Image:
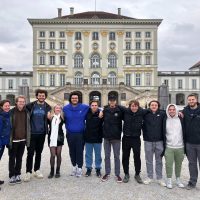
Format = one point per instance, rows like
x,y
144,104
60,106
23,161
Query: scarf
x,y
54,130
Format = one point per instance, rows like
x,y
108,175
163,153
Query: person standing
x,y
20,136
93,138
5,127
39,111
153,141
192,137
173,144
112,129
56,140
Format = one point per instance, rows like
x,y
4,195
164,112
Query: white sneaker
x,y
38,174
179,183
74,171
169,183
79,172
162,183
27,177
147,181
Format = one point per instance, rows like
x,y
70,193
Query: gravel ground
x,y
89,188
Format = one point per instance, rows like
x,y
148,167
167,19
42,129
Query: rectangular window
x,y
52,45
148,79
166,82
62,45
52,34
180,84
52,79
138,34
62,79
95,36
62,34
194,84
138,60
148,45
52,60
42,60
128,34
42,79
112,36
138,45
123,96
42,34
128,60
148,34
137,79
148,60
128,79
42,45
62,60
24,82
10,84
128,45
77,35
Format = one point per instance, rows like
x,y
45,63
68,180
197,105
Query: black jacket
x,y
192,125
94,130
112,126
153,126
133,122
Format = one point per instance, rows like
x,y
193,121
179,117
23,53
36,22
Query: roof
x,y
197,65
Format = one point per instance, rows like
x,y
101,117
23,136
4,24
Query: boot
x,y
57,172
51,173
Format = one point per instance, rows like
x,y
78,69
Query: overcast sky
x,y
178,36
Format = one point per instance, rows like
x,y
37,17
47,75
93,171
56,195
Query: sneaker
x,y
98,173
88,173
161,183
27,177
169,183
1,182
147,181
118,179
74,170
105,177
79,172
12,180
38,174
179,183
138,179
18,179
126,178
190,186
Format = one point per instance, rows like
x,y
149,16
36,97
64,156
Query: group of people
x,y
168,133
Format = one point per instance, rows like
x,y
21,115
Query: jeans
x,y
89,155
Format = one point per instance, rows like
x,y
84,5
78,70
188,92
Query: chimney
x,y
59,12
71,10
119,11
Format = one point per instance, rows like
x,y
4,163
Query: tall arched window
x,y
95,61
112,78
112,60
78,61
95,78
78,79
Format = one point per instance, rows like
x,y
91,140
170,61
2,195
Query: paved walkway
x,y
90,188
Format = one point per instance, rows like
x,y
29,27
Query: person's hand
x,y
180,114
101,114
49,115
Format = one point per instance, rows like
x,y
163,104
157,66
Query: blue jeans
x,y
89,155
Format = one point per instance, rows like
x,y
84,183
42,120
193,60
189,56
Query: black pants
x,y
15,158
36,147
129,143
76,146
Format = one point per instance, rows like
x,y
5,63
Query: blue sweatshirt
x,y
75,117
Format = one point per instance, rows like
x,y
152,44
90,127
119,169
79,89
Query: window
x,y
52,45
148,79
10,84
62,60
128,60
138,45
42,79
78,61
112,36
95,61
148,45
77,35
166,82
42,34
95,78
138,60
112,61
128,79
123,96
52,34
52,79
24,82
137,79
62,34
128,45
42,45
62,79
138,34
194,84
42,60
95,36
11,98
62,45
112,79
147,34
128,34
180,84
52,60
148,60
78,78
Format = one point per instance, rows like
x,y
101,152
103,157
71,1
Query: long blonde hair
x,y
61,112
